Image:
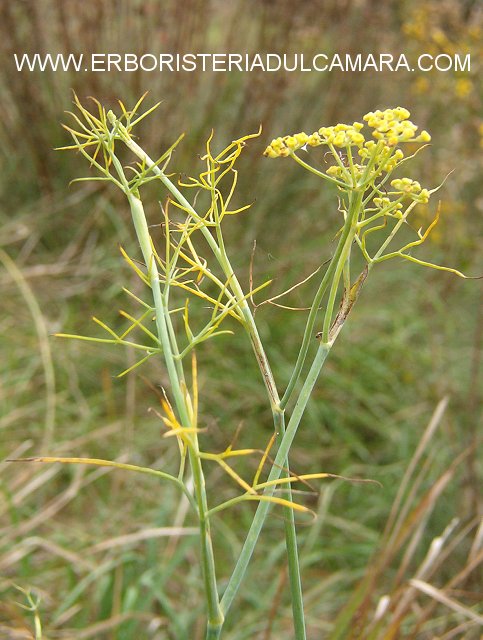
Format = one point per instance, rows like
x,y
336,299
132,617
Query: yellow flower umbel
x,y
283,147
361,170
378,158
410,189
393,126
340,136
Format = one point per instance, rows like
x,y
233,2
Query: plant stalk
x,y
337,259
275,473
215,617
283,437
294,572
268,379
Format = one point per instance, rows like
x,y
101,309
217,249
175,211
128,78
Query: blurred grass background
x,y
414,339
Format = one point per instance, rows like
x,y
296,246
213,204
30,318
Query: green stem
x,y
215,618
219,251
279,425
294,572
144,239
174,344
275,473
396,228
356,199
333,273
213,632
336,260
284,438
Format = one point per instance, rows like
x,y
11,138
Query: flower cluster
x,y
386,203
338,171
342,135
410,188
283,147
392,126
388,158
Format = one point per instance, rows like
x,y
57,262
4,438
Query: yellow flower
x,y
393,126
410,188
390,127
282,147
343,135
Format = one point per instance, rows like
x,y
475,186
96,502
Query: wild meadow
x,y
222,474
